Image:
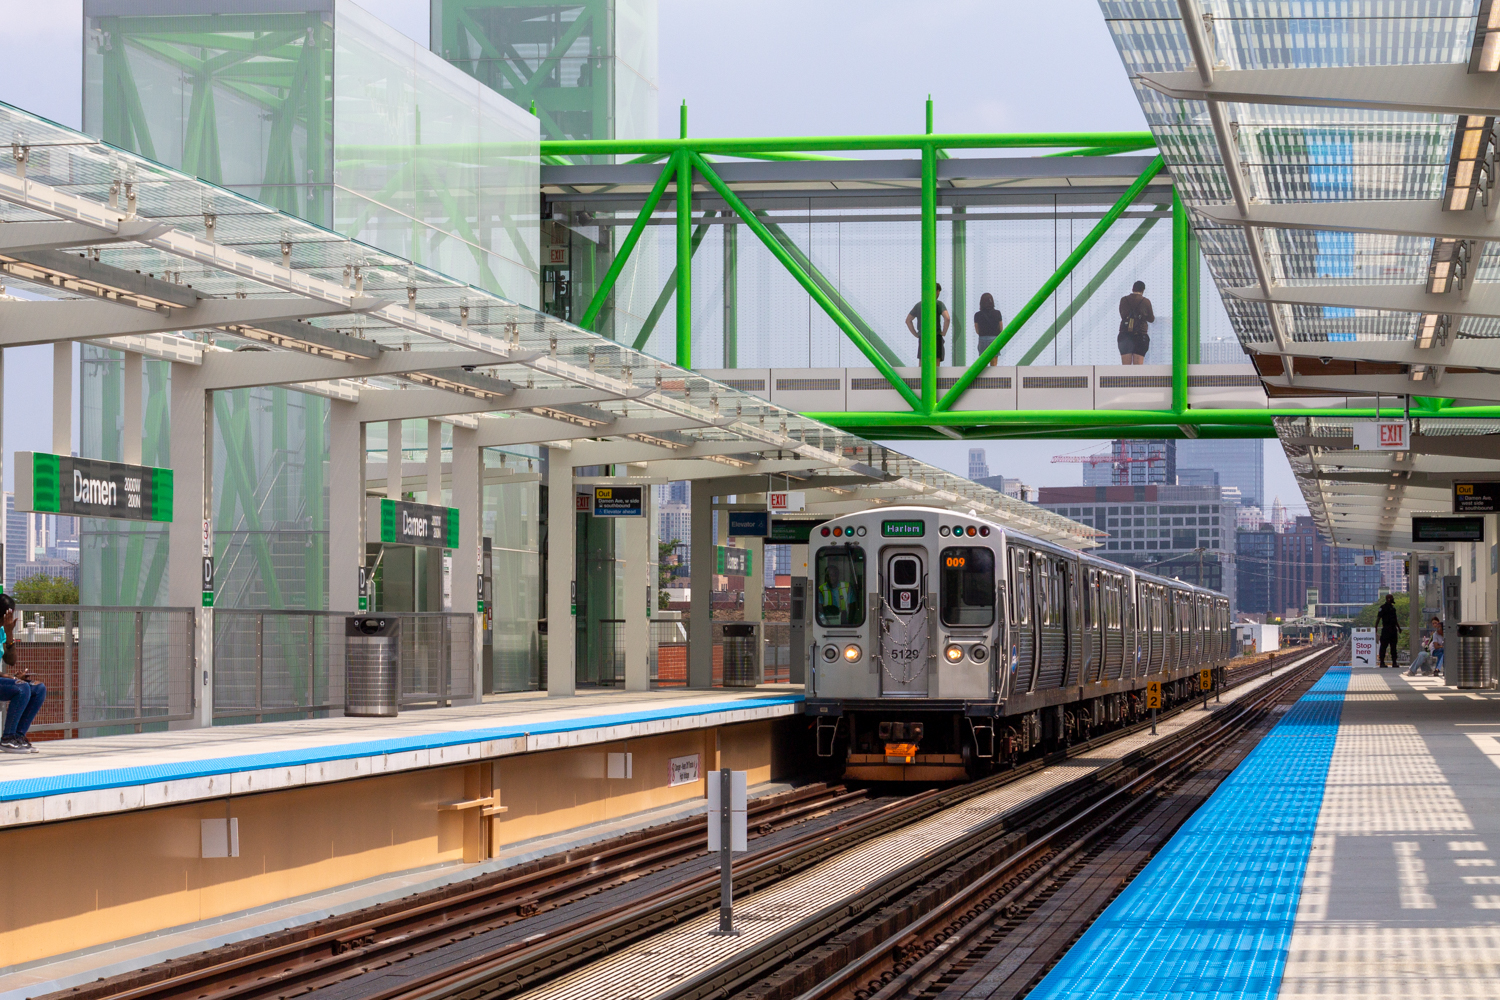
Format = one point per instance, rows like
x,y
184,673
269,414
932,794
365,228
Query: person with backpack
x,y
1136,317
988,323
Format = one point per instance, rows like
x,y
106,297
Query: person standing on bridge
x,y
988,322
1136,317
944,321
1390,630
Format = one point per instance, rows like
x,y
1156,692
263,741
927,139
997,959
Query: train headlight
x,y
851,653
979,652
830,653
954,652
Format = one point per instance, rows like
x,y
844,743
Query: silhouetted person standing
x,y
987,324
944,322
1136,317
1390,629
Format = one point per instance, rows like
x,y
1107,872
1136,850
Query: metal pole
x,y
140,668
726,856
601,295
260,662
1153,722
1181,309
731,295
1115,141
684,357
70,668
312,661
928,327
960,284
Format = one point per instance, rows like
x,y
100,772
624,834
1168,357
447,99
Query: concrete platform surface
x,y
1355,853
69,779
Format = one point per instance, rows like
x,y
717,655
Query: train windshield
x,y
841,586
968,586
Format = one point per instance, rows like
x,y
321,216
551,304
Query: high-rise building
x,y
978,467
1278,570
1238,463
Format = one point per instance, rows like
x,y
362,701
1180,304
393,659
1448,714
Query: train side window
x,y
967,589
840,572
1020,589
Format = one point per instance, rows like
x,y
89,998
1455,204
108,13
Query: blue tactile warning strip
x,y
121,777
1212,914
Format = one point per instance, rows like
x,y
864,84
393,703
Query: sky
x,y
768,67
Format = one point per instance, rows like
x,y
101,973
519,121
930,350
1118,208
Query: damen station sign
x,y
91,487
404,523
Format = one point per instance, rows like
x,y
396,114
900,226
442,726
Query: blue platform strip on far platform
x,y
1212,914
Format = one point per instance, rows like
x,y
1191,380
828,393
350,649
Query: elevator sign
x,y
90,487
403,523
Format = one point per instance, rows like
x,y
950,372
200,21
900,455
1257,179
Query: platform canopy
x,y
134,256
1340,170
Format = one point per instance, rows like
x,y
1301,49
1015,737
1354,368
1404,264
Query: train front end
x,y
904,679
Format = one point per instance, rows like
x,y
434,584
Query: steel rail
x,y
1039,861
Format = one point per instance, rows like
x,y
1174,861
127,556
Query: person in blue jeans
x,y
24,697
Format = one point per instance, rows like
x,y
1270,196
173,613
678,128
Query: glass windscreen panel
x,y
840,573
967,588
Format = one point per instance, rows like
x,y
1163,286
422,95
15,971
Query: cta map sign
x,y
91,487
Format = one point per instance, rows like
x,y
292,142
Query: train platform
x,y
132,837
1354,853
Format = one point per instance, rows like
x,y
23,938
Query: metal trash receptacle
x,y
741,654
372,665
1476,652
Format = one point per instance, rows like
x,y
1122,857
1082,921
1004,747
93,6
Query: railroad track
x,y
331,950
469,940
993,922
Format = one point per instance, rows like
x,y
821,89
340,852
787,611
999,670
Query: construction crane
x,y
1105,459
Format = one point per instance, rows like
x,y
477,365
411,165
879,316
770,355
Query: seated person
x,y
23,696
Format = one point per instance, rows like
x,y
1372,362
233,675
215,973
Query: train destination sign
x,y
1476,498
405,523
91,487
903,529
1447,529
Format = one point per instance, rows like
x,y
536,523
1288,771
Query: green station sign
x,y
903,529
91,487
405,523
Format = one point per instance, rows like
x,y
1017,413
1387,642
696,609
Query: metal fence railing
x,y
290,664
667,652
777,659
108,668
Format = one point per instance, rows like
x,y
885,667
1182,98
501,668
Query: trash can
x,y
741,654
1476,649
372,665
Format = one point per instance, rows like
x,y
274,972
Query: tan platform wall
x,y
111,878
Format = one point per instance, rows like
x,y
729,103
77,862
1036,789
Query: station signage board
x,y
1476,497
749,523
733,562
405,523
1364,647
795,530
1447,529
91,487
619,501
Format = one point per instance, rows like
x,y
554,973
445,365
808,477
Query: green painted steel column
x,y
1181,310
960,284
731,294
929,324
684,357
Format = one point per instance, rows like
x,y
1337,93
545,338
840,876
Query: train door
x,y
1090,632
905,634
1022,619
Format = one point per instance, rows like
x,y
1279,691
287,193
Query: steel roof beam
x,y
1460,385
413,404
1460,352
247,369
37,322
1434,89
24,237
1421,219
533,429
1483,299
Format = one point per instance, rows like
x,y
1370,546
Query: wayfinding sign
x,y
405,523
733,562
91,487
1447,529
1476,497
749,523
619,501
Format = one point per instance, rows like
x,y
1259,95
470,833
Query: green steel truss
x,y
687,159
280,64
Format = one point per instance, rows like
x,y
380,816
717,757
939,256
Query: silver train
x,y
944,645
